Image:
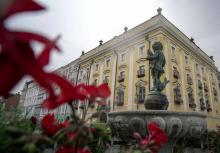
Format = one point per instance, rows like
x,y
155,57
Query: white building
x,y
33,95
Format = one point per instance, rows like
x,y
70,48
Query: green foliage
x,y
18,134
102,137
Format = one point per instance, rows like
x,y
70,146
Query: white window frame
x,y
97,68
173,51
122,60
186,59
107,65
141,48
197,66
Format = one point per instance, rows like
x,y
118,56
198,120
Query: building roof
x,y
157,21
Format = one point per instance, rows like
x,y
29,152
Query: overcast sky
x,y
82,23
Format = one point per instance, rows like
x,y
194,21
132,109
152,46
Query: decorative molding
x,y
187,68
121,86
189,89
106,71
122,66
176,83
96,74
141,83
174,60
142,59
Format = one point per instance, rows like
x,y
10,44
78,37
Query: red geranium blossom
x,y
50,124
71,149
16,55
17,59
79,92
63,149
157,134
154,140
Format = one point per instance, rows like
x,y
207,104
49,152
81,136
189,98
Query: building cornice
x,y
185,41
156,22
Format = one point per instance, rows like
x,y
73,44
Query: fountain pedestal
x,y
156,101
181,128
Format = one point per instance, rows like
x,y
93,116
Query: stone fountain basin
x,y
175,124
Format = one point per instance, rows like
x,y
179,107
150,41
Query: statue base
x,y
156,101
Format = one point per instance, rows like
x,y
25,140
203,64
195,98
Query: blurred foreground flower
x,y
17,59
154,141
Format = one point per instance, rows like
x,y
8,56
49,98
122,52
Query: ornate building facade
x,y
121,62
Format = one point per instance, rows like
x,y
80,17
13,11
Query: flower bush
x,y
74,135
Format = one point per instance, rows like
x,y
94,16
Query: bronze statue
x,y
157,63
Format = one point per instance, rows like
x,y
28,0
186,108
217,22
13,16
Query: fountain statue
x,y
155,99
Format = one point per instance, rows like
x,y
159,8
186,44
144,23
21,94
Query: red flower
x,y
16,55
17,59
154,140
93,92
63,149
84,150
80,92
50,124
72,135
65,124
103,90
71,149
157,134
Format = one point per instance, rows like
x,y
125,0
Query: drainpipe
x,y
116,65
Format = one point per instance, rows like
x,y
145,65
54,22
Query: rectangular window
x,y
141,51
141,95
186,59
123,57
197,67
122,73
107,62
120,97
81,73
173,51
97,67
202,70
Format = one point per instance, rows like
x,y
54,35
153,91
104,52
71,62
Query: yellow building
x,y
121,62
